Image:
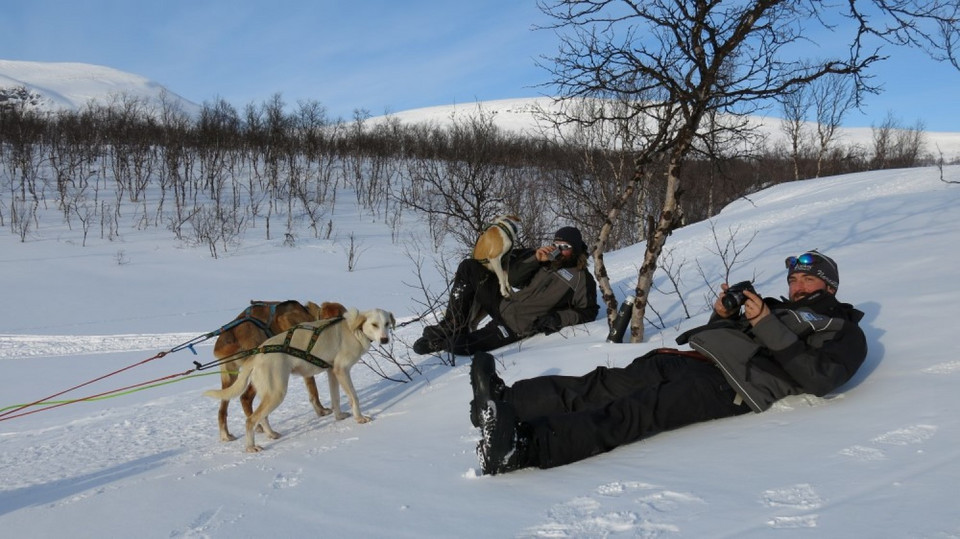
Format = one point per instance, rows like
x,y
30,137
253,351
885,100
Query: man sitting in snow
x,y
810,343
554,292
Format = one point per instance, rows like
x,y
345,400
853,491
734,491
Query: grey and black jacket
x,y
810,346
544,288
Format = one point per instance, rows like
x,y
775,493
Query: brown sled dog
x,y
258,322
494,244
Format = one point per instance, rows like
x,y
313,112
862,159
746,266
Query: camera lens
x,y
731,302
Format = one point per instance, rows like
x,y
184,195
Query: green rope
x,y
119,394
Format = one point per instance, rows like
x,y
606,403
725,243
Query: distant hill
x,y
72,86
523,116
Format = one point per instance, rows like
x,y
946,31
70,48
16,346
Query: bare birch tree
x,y
686,58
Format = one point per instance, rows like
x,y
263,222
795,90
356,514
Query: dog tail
x,y
236,389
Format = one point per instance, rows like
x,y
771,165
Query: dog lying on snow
x,y
263,319
495,242
335,348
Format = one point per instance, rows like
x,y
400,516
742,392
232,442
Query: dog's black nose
x,y
384,340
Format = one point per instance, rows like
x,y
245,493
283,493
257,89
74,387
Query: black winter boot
x,y
434,339
425,345
487,386
505,445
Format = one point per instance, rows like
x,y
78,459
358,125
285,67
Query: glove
x,y
548,323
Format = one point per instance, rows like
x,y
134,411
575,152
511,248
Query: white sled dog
x,y
495,242
337,347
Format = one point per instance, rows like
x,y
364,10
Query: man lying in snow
x,y
745,361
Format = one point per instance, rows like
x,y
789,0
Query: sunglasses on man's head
x,y
805,259
563,246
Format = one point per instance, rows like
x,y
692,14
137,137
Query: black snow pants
x,y
574,417
474,285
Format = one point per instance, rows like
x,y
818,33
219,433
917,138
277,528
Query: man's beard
x,y
804,296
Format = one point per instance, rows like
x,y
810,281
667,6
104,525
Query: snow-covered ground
x,y
881,458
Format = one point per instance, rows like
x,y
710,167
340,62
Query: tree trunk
x,y
599,266
669,219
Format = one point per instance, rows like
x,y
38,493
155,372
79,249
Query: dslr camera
x,y
734,297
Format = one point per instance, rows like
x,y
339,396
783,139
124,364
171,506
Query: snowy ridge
x,y
525,116
74,85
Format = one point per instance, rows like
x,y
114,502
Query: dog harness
x,y
509,228
247,316
305,355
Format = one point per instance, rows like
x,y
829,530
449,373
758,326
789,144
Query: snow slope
x,y
71,85
881,458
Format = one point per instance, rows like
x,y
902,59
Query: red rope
x,y
87,398
9,413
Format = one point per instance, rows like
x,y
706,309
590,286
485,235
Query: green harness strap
x,y
510,230
305,355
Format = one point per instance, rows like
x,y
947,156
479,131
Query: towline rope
x,y
15,411
114,393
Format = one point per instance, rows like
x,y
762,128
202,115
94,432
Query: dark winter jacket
x,y
810,346
570,292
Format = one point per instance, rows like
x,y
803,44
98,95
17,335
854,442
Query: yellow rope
x,y
104,397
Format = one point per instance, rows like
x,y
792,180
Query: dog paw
x,y
364,419
273,435
227,437
324,412
341,416
254,449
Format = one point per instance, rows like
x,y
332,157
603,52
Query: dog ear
x,y
393,321
316,311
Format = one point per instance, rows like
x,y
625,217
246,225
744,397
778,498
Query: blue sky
x,y
378,55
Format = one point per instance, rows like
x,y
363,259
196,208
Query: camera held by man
x,y
734,297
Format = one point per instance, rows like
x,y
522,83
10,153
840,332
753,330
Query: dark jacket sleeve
x,y
819,362
522,266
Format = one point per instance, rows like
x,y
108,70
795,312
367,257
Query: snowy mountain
x,y
53,86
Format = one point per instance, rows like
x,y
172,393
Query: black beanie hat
x,y
572,236
816,264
